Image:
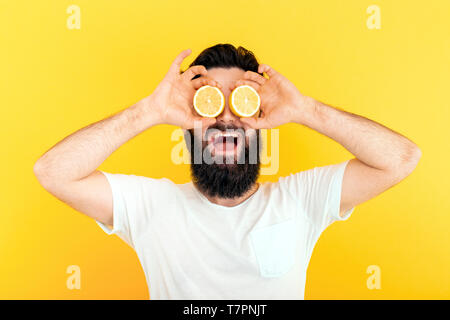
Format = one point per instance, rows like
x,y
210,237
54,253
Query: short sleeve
x,y
318,191
135,202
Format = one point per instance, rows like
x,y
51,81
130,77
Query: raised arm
x,y
383,157
69,169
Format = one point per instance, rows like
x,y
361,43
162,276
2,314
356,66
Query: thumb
x,y
267,69
176,64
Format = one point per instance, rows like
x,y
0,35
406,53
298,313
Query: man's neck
x,y
226,202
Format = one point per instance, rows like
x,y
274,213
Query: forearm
x,y
82,152
372,143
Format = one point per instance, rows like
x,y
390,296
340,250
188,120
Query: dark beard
x,y
225,180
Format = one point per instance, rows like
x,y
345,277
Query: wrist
x,y
304,111
145,114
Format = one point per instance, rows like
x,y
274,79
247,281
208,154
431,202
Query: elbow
x,y
413,157
41,172
38,170
409,161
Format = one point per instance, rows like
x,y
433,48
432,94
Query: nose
x,y
227,116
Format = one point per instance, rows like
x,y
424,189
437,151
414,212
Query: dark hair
x,y
225,55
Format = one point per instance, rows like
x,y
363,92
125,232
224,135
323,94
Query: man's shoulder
x,y
297,180
136,180
311,180
311,172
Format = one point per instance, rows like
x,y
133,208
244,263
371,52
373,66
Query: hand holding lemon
x,y
281,102
277,97
172,99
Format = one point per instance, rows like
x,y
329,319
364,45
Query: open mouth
x,y
225,143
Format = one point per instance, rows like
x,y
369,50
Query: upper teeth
x,y
216,135
229,134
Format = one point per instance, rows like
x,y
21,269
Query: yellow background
x,y
54,81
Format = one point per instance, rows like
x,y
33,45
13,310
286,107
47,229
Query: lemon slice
x,y
209,101
244,101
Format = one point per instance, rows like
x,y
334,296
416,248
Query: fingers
x,y
250,83
250,75
200,82
176,64
252,79
267,69
193,71
257,123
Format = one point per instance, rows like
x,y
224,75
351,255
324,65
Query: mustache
x,y
224,126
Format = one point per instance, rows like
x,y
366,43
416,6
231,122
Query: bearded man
x,y
225,235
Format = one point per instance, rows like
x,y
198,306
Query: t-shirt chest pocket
x,y
275,248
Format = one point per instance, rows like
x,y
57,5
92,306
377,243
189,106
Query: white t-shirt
x,y
191,248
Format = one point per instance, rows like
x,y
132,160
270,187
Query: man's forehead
x,y
225,75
